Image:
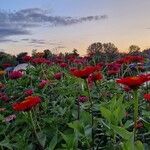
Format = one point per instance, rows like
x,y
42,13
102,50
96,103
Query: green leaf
x,y
122,132
77,126
106,113
70,140
139,145
128,145
42,138
6,144
53,143
1,117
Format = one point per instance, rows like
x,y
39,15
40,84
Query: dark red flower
x,y
139,125
82,99
63,65
43,83
15,75
28,92
58,75
27,104
95,76
27,58
5,65
4,97
40,60
147,97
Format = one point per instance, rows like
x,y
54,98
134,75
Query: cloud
x,y
8,40
34,41
20,22
5,32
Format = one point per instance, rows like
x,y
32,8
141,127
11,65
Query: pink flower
x,y
15,75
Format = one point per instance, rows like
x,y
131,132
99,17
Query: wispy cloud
x,y
20,22
34,41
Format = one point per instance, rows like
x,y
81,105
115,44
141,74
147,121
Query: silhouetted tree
x,y
146,53
48,54
134,50
19,57
111,52
103,52
7,58
95,48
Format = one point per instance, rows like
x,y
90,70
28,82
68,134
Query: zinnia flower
x,y
132,82
84,73
63,65
147,97
82,99
27,58
7,65
58,75
95,76
27,104
4,97
28,92
15,75
43,83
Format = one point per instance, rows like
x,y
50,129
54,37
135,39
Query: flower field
x,y
69,102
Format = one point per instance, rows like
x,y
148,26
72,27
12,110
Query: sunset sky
x,y
61,25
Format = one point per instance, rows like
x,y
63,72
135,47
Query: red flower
x,y
41,61
84,73
147,97
27,58
27,104
63,65
58,75
28,92
95,76
15,75
43,83
132,82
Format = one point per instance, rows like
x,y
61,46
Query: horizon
x,y
64,25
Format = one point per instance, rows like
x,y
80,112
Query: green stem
x,y
136,105
34,129
92,116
